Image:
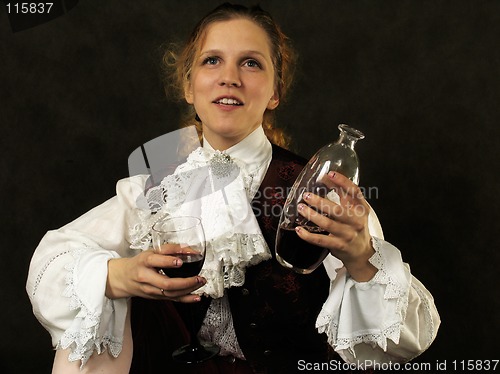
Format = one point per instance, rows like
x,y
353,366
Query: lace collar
x,y
253,154
220,193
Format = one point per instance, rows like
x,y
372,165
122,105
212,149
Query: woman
x,y
87,278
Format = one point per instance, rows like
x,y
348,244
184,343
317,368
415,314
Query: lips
x,y
228,100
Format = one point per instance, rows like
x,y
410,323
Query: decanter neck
x,y
349,136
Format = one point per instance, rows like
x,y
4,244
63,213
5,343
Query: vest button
x,y
268,352
253,325
245,292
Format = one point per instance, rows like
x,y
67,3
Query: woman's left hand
x,y
347,224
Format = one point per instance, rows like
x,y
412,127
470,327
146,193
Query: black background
x,y
421,78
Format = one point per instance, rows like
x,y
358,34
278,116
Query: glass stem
x,y
192,328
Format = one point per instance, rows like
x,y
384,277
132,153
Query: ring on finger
x,y
168,297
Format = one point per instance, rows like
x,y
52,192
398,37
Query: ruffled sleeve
x,y
67,277
392,317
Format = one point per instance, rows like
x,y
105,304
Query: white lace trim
x,y
140,223
327,321
429,322
394,290
218,328
41,273
83,336
227,259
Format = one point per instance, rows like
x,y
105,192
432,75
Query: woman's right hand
x,y
138,276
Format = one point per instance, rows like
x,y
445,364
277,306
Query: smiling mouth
x,y
228,101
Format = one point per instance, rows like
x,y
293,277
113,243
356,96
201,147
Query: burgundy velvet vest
x,y
274,313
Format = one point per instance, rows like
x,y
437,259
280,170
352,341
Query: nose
x,y
230,76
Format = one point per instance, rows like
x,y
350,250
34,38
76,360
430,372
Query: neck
x,y
221,143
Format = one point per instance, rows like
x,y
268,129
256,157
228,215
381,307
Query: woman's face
x,y
232,81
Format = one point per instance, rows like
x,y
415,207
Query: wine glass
x,y
339,156
188,233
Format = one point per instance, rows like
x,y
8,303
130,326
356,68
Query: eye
x,y
211,60
251,63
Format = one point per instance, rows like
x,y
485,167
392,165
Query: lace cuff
x,y
367,312
99,322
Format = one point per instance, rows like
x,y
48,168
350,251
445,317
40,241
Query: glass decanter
x,y
339,156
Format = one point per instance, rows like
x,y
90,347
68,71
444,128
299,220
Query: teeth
x,y
227,101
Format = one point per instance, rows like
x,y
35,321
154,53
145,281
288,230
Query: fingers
x,y
180,289
320,240
346,230
345,221
150,283
175,289
173,249
329,215
334,227
344,187
156,260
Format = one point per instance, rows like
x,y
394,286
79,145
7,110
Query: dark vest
x,y
274,313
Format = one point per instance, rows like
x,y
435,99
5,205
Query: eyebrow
x,y
218,52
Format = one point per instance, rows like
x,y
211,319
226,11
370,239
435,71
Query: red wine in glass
x,y
188,231
191,265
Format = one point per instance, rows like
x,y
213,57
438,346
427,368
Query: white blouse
x,y
392,317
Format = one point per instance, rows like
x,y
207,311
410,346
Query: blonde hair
x,y
178,63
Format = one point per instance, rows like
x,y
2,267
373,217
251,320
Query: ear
x,y
188,92
274,101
